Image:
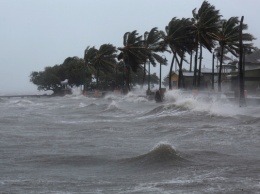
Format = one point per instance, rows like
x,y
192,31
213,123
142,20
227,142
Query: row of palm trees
x,y
206,29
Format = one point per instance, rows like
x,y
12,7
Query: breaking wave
x,y
213,104
22,102
132,97
113,106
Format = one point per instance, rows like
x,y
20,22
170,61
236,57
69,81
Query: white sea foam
x,y
77,91
112,105
82,105
164,144
113,96
134,97
22,103
210,103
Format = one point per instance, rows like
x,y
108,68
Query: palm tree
x,y
205,22
178,37
89,55
132,53
103,59
228,40
153,43
218,54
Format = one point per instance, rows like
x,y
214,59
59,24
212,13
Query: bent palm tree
x,y
228,39
205,22
132,53
178,37
154,43
89,54
101,59
137,51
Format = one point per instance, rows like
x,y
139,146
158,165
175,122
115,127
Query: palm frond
x,y
206,23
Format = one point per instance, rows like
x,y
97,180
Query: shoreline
x,y
250,100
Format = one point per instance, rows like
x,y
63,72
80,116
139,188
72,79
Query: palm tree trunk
x,y
242,100
220,69
97,79
170,73
191,61
195,68
128,78
183,81
199,76
181,77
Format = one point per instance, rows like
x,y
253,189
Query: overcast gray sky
x,y
39,33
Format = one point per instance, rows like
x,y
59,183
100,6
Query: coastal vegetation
x,y
110,67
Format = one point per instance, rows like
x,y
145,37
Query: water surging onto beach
x,y
128,144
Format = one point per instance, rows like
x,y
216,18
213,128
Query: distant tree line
x,y
74,70
127,65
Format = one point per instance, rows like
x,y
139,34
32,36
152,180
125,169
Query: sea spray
x,y
132,97
112,106
206,102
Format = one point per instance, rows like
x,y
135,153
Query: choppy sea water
x,y
127,144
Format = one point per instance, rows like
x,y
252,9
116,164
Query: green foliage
x,y
228,39
51,77
136,78
153,43
228,36
47,79
137,51
179,35
102,59
72,69
205,23
133,52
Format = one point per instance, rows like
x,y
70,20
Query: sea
x,y
129,144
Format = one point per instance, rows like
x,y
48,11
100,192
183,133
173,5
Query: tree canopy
x,y
117,67
51,77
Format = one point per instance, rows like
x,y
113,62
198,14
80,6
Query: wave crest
x,y
161,154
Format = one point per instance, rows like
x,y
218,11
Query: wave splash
x,y
211,103
113,106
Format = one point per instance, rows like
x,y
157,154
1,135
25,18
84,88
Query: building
x,y
251,74
205,82
188,79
